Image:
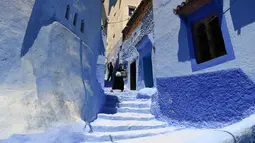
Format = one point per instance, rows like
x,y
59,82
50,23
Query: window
x,y
208,36
114,13
113,36
207,39
82,26
75,19
67,12
131,10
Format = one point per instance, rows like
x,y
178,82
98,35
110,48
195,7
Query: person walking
x,y
119,82
110,71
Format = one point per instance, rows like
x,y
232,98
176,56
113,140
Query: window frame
x,y
201,13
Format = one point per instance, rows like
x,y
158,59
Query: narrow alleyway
x,y
132,120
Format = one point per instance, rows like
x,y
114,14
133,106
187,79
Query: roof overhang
x,y
189,6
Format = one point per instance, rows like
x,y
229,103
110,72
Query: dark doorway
x,y
147,71
133,76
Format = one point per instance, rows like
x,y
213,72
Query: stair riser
x,y
135,105
124,128
121,110
125,118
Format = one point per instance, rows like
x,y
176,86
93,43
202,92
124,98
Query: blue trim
x,y
213,7
144,47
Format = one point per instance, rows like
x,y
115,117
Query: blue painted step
x,y
111,104
107,83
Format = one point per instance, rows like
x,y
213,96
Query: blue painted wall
x,y
49,62
45,12
192,88
220,97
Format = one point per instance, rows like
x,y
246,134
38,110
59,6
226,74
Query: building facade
x,y
205,69
51,50
137,48
120,12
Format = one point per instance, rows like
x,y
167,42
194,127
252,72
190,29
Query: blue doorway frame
x,y
145,65
147,71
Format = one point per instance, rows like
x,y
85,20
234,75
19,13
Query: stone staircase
x,y
125,117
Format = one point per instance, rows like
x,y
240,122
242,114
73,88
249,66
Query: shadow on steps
x,y
107,83
111,104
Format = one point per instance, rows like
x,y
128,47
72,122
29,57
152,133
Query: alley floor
x,y
132,120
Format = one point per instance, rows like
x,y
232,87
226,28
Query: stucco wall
x,y
173,63
171,39
46,12
48,67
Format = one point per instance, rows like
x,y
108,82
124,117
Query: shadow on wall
x,y
86,112
211,100
242,13
183,52
99,44
43,14
94,99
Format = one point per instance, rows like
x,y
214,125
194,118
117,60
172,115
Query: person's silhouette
x,y
110,71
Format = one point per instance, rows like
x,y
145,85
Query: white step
x,y
117,123
115,136
134,132
126,116
133,110
135,103
120,125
